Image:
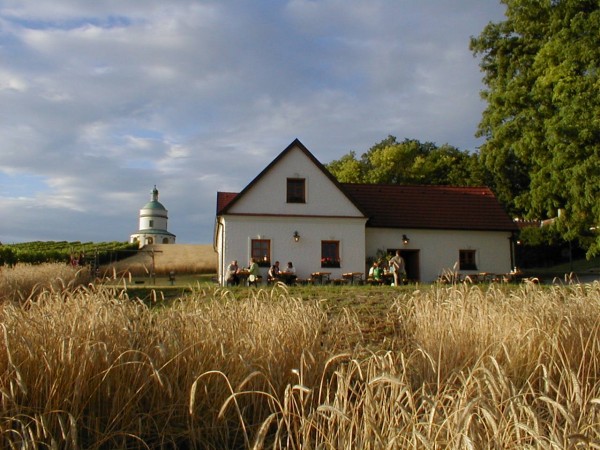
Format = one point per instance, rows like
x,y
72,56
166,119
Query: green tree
x,y
408,162
542,121
348,169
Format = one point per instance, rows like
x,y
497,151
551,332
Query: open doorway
x,y
411,260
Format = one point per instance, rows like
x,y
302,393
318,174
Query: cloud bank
x,y
100,101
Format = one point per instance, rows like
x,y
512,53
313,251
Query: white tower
x,y
153,224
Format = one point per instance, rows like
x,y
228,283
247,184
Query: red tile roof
x,y
223,199
425,207
430,207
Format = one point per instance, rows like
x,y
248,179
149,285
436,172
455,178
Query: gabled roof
x,y
223,200
430,207
227,199
397,206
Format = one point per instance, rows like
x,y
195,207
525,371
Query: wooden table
x,y
387,278
287,277
322,277
352,277
243,275
486,277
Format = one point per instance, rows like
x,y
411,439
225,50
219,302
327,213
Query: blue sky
x,y
102,100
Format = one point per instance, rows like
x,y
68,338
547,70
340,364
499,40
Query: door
x,y
411,261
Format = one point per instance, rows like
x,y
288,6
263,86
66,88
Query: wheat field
x,y
164,258
86,367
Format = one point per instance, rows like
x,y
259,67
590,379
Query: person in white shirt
x,y
289,273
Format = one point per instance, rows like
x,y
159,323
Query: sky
x,y
101,100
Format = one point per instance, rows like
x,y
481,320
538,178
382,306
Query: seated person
x,y
378,274
375,273
231,274
371,269
289,273
274,271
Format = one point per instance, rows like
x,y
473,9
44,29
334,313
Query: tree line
x,y
541,124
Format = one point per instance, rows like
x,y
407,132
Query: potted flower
x,y
330,262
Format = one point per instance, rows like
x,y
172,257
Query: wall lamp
x,y
296,236
405,239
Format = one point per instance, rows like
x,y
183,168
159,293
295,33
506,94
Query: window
x,y
330,253
467,260
151,223
296,192
261,251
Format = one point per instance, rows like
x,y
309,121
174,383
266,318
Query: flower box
x,y
329,262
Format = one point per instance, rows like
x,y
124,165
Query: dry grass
x,y
93,369
163,258
26,281
468,367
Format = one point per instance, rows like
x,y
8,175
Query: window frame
x,y
330,258
467,259
260,249
296,190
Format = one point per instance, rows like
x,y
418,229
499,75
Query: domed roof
x,y
154,203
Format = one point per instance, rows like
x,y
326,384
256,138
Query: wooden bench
x,y
256,282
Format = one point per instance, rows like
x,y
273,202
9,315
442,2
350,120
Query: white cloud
x,y
101,100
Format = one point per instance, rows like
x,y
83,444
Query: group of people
x,y
396,266
286,275
233,272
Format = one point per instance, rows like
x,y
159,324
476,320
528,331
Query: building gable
x,y
268,194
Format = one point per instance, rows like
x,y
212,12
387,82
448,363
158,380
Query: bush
x,y
7,256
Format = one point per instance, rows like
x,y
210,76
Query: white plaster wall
x,y
439,249
268,195
146,215
234,238
142,239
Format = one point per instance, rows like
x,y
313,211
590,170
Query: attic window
x,y
296,190
467,260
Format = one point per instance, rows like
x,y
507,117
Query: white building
x,y
153,224
295,210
